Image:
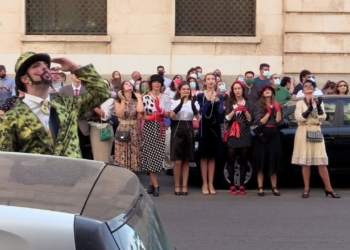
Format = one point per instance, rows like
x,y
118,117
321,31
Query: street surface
x,y
226,222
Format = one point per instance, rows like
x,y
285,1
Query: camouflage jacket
x,y
22,131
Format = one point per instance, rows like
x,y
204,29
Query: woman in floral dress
x,y
127,105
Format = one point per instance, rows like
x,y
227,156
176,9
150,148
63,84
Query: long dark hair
x,y
232,97
178,95
172,84
133,96
262,101
195,80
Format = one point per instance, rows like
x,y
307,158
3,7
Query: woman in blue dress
x,y
210,139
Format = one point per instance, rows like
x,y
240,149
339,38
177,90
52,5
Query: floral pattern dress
x,y
128,154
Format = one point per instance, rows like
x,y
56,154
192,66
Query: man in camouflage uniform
x,y
40,125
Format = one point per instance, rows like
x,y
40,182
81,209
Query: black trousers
x,y
85,147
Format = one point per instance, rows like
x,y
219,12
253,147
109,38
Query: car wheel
x,y
237,174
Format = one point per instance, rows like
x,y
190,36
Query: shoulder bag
x,y
314,136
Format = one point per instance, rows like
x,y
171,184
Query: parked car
x,y
336,132
50,202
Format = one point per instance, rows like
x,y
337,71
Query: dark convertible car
x,y
336,132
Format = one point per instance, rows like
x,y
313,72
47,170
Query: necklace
x,y
212,108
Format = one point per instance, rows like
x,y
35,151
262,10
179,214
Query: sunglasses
x,y
343,85
277,77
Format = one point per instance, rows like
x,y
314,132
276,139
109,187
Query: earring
x,y
30,83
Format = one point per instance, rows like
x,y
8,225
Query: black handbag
x,y
314,136
122,136
260,135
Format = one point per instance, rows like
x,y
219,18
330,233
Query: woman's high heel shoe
x,y
275,193
150,189
184,193
305,194
211,189
156,191
205,190
177,193
332,193
261,193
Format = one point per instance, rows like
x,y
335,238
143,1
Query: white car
x,y
59,203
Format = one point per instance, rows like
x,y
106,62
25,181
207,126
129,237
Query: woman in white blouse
x,y
183,109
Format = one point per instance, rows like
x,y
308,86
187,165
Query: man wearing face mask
x,y
282,94
199,77
251,91
263,78
40,124
161,72
7,85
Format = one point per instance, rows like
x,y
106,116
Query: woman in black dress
x,y
183,109
210,139
237,133
267,116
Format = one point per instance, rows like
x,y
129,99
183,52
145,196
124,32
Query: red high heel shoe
x,y
233,190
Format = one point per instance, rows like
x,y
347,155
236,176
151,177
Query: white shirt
x,y
186,112
57,86
167,82
132,82
74,88
34,103
170,93
317,92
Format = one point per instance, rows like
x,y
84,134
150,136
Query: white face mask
x,y
193,75
199,74
266,73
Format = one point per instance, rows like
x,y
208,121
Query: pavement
x,y
224,221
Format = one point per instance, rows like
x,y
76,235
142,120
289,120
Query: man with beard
x,y
7,85
43,125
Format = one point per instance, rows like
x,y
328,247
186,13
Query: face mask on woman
x,y
222,87
137,87
143,89
193,85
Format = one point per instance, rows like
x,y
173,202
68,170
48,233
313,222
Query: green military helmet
x,y
24,62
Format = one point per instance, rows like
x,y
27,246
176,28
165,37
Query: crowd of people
x,y
151,125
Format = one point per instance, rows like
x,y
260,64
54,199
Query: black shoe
x,y
177,193
275,193
261,193
156,192
184,193
332,193
150,189
305,194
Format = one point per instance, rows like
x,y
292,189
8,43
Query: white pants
x,y
167,162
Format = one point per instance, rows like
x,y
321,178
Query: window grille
x,y
64,17
215,17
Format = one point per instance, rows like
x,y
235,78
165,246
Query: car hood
x,y
65,184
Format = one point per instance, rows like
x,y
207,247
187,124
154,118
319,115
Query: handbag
x,y
105,133
260,135
314,136
195,124
122,136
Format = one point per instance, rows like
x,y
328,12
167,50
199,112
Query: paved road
x,y
251,222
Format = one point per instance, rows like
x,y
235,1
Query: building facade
x,y
128,35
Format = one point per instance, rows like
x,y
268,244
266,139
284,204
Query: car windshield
x,y
46,182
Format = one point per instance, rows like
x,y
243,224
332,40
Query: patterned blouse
x,y
150,107
259,111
